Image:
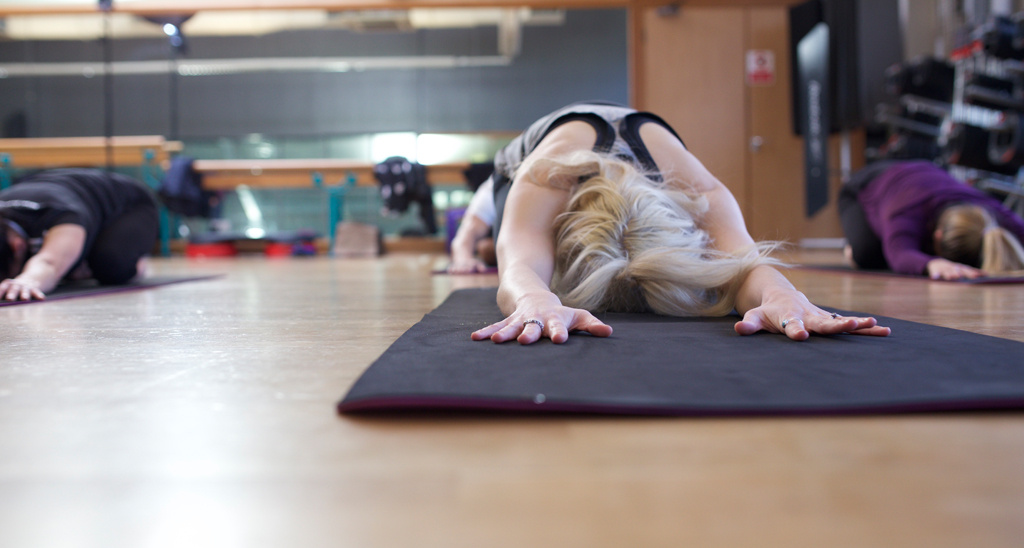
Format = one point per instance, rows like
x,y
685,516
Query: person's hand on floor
x,y
18,289
790,313
470,265
532,321
944,269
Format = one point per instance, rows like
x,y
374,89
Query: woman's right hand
x,y
462,265
540,318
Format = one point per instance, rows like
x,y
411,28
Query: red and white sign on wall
x,y
760,67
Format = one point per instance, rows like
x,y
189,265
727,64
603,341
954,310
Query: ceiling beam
x,y
165,7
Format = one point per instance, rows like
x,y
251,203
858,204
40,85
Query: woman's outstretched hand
x,y
791,313
528,324
944,269
20,290
469,265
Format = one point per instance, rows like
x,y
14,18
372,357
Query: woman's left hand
x,y
790,312
944,269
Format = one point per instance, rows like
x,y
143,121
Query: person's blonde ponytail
x,y
1001,252
969,235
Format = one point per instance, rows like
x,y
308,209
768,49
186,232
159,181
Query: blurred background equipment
x,y
963,112
403,183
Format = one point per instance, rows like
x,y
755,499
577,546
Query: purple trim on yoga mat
x,y
656,365
453,403
75,290
987,280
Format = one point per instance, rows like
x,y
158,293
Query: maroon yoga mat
x,y
91,289
888,273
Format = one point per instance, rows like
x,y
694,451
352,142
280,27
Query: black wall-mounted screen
x,y
864,39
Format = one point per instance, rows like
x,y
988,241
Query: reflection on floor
x,y
202,414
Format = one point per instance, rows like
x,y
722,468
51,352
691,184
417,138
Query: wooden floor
x,y
202,414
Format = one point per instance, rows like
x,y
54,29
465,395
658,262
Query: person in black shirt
x,y
73,223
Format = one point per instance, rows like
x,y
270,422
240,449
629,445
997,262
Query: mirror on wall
x,y
308,81
433,85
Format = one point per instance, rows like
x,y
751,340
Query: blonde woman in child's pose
x,y
602,208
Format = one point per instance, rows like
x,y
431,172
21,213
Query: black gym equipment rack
x,y
967,112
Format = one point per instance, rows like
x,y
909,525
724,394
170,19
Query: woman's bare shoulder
x,y
566,138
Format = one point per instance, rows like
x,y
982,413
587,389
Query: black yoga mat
x,y
655,365
444,271
985,280
90,288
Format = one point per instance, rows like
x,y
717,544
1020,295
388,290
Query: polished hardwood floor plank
x,y
202,414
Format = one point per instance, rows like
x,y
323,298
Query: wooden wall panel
x,y
692,75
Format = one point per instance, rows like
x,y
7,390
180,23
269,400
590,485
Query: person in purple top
x,y
913,217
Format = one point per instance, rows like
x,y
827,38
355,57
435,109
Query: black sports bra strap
x,y
605,131
629,129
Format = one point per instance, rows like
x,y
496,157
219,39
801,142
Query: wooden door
x,y
776,179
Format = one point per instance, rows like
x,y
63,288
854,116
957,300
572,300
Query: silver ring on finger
x,y
835,315
539,323
789,321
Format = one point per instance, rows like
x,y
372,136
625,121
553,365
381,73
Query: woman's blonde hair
x,y
969,235
628,243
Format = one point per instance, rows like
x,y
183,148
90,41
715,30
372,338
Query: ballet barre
x,y
334,175
58,152
145,152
